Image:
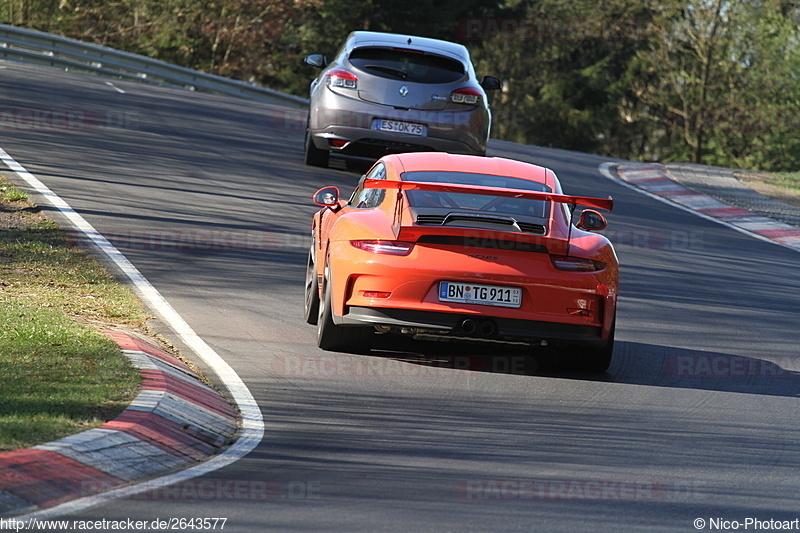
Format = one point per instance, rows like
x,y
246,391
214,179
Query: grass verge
x,y
788,180
58,373
782,186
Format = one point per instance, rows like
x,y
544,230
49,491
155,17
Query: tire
x,y
314,156
353,339
311,305
593,359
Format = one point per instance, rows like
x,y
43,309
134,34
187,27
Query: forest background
x,y
706,81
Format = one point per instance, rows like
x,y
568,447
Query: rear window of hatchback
x,y
407,65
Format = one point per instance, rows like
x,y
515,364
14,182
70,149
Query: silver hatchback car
x,y
387,93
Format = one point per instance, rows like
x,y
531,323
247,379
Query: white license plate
x,y
397,126
470,293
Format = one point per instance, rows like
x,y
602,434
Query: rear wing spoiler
x,y
599,203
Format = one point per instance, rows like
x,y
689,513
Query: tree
x,y
567,68
717,78
710,81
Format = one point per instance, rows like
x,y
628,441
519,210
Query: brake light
x,y
467,95
341,78
576,264
384,247
409,51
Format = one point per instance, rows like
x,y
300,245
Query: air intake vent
x,y
439,220
483,219
436,220
536,229
479,242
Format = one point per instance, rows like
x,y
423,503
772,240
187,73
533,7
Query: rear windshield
x,y
407,65
477,202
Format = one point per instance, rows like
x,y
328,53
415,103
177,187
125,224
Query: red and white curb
x,y
251,428
175,421
655,180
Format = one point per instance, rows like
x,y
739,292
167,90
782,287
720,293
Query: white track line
x,y
605,170
252,430
120,91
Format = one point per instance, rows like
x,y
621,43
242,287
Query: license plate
x,y
470,293
397,126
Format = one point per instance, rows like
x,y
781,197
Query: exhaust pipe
x,y
487,328
469,326
475,328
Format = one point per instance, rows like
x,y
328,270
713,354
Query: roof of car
x,y
497,166
371,38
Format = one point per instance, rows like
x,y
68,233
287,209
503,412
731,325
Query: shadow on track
x,y
634,364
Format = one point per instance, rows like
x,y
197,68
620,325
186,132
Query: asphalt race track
x,y
209,198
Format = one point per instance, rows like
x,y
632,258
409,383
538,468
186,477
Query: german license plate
x,y
470,293
397,126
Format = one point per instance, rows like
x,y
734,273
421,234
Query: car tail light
x,y
576,264
467,95
384,247
341,78
409,51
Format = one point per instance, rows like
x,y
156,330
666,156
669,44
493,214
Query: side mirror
x,y
327,197
591,220
316,60
490,83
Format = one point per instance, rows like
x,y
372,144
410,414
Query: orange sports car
x,y
463,247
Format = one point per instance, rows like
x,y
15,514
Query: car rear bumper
x,y
485,327
361,142
404,292
336,117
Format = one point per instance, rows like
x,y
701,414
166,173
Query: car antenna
x,y
409,40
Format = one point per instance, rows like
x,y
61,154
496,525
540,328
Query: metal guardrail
x,y
29,46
